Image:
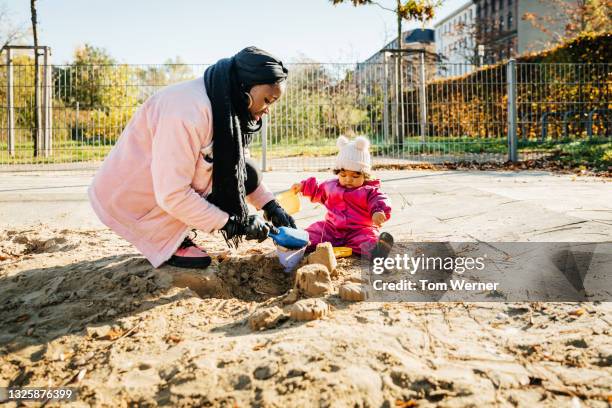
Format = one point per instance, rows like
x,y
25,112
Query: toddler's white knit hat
x,y
355,155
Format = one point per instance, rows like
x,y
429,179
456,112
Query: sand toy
x,y
289,201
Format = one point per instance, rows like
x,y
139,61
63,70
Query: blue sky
x,y
202,31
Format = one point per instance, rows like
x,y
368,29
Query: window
x,y
510,20
501,23
492,6
509,3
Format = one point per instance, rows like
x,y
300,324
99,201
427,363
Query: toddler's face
x,y
351,179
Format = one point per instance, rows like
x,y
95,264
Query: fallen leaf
x,y
22,318
577,312
113,334
405,404
173,338
258,346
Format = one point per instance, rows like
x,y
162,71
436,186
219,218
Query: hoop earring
x,y
250,100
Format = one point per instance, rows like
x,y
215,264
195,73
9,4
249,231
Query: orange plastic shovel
x,y
289,201
342,252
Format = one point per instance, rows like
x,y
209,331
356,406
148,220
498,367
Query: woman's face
x,y
263,96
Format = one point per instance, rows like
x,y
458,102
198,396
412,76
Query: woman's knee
x,y
253,176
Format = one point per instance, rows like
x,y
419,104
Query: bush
x,y
476,104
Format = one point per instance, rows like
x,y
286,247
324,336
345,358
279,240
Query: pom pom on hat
x,y
362,143
342,141
355,155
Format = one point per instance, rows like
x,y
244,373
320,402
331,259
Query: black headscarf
x,y
227,83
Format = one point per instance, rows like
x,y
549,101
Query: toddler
x,y
356,207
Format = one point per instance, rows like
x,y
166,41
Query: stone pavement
x,y
427,205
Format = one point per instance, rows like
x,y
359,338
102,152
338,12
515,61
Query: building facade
x,y
496,29
414,43
455,40
497,25
412,40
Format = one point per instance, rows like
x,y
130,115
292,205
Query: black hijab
x,y
227,83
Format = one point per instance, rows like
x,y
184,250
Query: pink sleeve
x,y
176,146
311,189
260,197
379,202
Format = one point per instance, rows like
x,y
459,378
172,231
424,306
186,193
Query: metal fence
x,y
422,111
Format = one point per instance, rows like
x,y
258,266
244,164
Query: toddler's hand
x,y
296,188
378,218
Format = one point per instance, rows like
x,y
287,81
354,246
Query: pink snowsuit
x,y
348,221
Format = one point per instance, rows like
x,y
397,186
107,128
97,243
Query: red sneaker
x,y
189,255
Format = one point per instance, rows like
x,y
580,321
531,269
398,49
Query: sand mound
x,y
313,280
97,317
17,244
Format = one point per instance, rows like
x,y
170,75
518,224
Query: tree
x,y
154,77
571,18
100,94
10,32
419,10
486,32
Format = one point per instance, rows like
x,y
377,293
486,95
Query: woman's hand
x,y
254,228
378,218
296,188
277,214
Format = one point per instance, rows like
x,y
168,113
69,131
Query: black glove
x,y
279,217
254,228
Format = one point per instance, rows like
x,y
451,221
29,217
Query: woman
x,y
180,163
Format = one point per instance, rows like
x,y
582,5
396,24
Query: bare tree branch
x,y
383,7
10,33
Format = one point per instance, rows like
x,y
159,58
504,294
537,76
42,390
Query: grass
x,y
65,151
584,155
596,153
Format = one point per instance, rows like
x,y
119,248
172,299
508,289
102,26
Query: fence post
x,y
396,102
37,106
76,123
10,105
423,92
386,99
264,142
47,103
512,115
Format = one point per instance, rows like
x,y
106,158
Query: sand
x,y
82,308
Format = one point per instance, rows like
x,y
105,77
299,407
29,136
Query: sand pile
x,y
82,308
